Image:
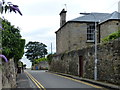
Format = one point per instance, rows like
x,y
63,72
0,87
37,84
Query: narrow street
x,y
46,80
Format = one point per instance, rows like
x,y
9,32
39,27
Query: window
x,y
90,32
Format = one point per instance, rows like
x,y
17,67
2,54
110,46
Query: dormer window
x,y
90,32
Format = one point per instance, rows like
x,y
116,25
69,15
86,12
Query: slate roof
x,y
98,17
95,17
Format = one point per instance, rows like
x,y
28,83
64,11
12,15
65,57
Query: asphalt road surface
x,y
42,79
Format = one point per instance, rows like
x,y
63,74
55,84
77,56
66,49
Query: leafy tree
x,y
12,44
36,61
35,50
10,34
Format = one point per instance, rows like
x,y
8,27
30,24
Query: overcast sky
x,y
41,18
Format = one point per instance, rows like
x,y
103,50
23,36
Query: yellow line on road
x,y
33,81
77,80
38,84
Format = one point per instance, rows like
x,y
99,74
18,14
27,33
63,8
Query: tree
x,y
12,44
35,50
10,36
36,61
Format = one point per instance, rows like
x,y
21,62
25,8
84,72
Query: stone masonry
x,y
8,74
108,62
71,37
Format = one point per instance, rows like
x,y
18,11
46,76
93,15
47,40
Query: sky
x,y
41,18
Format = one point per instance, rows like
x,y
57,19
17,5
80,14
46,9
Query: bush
x,y
112,36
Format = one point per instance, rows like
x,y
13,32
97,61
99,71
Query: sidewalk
x,y
102,84
23,81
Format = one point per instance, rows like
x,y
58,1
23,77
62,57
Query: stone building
x,y
76,50
78,33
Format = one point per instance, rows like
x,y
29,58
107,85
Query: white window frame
x,y
90,32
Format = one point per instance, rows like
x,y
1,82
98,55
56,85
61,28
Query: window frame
x,y
90,32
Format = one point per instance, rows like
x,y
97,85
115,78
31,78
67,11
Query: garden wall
x,y
8,75
108,62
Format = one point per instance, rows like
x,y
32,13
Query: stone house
x,y
76,51
78,33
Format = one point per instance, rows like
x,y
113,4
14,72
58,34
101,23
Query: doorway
x,y
80,66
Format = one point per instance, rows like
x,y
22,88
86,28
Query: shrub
x,y
112,36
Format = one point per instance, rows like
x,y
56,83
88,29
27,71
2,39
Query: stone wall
x,y
108,62
8,74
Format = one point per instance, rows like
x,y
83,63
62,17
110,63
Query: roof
x,y
97,17
113,16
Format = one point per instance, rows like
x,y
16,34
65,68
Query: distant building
x,y
79,32
43,65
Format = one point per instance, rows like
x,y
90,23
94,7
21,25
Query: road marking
x,y
34,81
38,84
77,80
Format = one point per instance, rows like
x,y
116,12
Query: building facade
x,y
79,33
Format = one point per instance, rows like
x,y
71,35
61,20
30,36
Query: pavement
x,y
24,82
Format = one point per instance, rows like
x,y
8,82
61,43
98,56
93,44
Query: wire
x,y
116,2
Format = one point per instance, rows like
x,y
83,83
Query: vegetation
x,y
12,44
8,6
36,61
49,58
35,50
111,36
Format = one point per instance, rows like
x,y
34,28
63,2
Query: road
x,y
42,79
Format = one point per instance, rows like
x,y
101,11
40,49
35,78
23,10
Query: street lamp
x,y
96,60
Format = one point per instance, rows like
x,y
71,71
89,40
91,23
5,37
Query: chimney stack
x,y
62,17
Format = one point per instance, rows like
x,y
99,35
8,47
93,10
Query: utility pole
x,y
51,48
95,67
95,60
